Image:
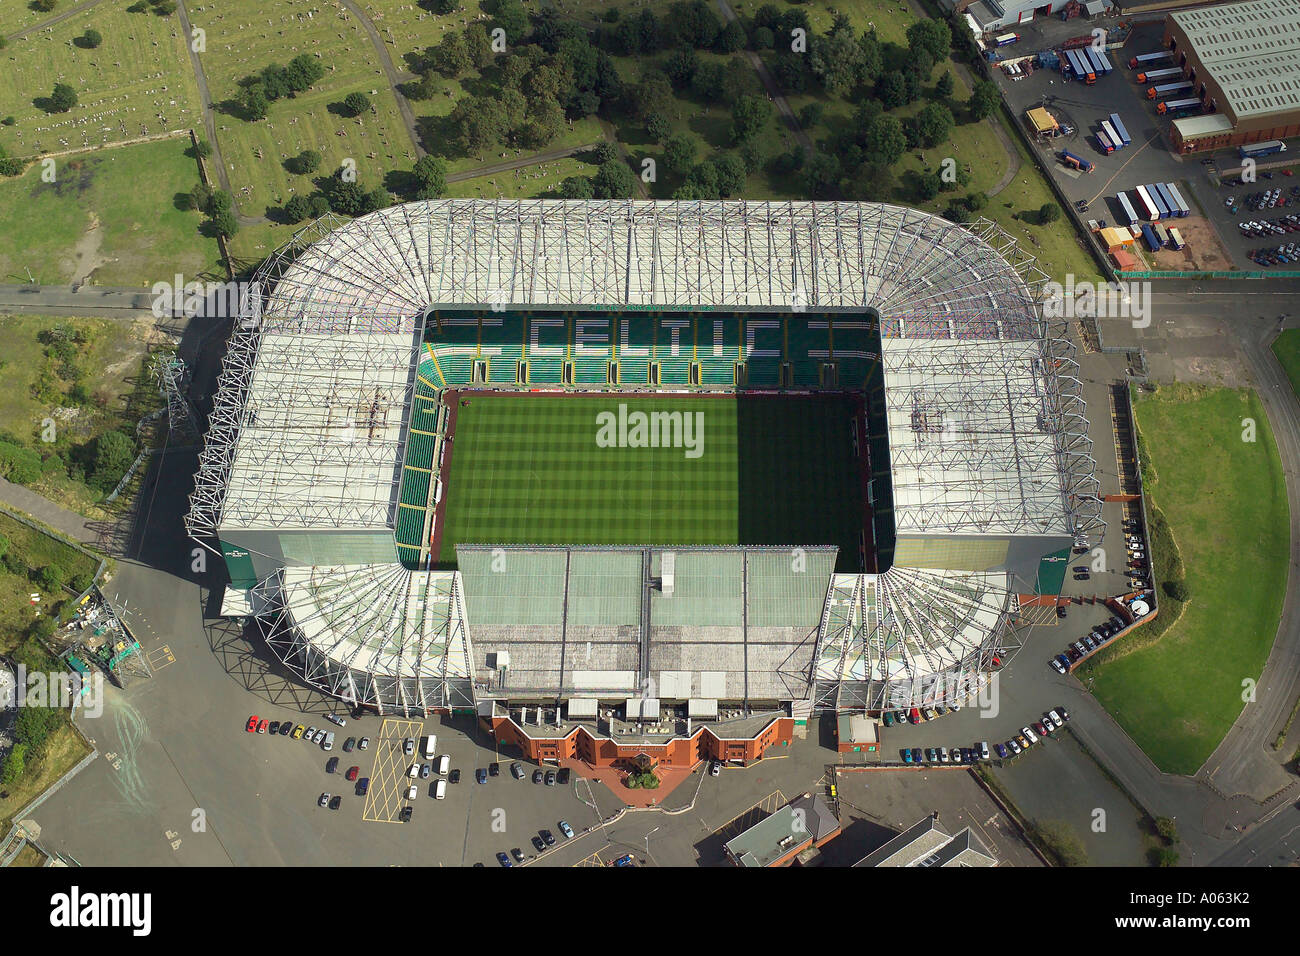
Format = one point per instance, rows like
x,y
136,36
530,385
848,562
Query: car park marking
x,y
160,657
388,777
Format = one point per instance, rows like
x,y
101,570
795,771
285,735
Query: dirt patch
x,y
85,254
1203,252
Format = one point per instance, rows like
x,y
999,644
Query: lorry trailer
x,y
1155,92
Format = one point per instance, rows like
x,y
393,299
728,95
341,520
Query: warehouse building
x,y
1245,61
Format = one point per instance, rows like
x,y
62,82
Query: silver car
x,y
328,743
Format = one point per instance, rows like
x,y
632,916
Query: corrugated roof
x,y
1252,51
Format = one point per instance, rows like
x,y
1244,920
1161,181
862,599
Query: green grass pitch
x,y
529,469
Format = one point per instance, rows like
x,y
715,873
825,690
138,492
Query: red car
x,y
261,728
251,727
352,772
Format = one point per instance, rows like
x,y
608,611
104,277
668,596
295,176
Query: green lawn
x,y
111,214
1287,349
533,470
1225,503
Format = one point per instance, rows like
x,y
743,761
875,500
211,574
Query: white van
x,y
412,793
414,771
430,746
440,790
444,764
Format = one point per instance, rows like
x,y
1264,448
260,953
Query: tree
x,y
255,104
681,66
543,125
614,180
706,81
679,154
731,175
305,163
440,7
451,57
476,122
732,38
602,153
478,45
891,90
984,99
928,185
63,98
112,454
44,6
1048,212
344,197
356,103
657,125
763,38
200,196
377,198
931,37
431,173
653,94
51,577
297,209
164,8
822,176
811,114
933,124
944,86
15,765
11,166
1167,828
702,181
840,62
510,16
202,149
883,139
748,116
303,70
577,187
90,39
695,23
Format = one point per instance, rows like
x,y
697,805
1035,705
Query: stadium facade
x,y
320,479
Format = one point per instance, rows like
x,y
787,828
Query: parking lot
x,y
1211,230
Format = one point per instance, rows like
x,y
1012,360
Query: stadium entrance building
x,y
645,479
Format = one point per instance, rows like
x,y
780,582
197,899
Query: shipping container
x,y
1078,162
1262,149
1183,208
1169,89
1167,198
1111,134
1148,58
1183,107
1118,125
1154,195
1006,39
1145,205
1127,208
1151,76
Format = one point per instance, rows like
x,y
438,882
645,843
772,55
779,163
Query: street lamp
x,y
647,841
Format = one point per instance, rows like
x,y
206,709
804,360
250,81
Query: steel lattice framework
x,y
307,431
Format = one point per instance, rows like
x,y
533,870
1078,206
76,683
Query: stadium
x,y
662,471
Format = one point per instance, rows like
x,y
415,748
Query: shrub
x,y
1048,212
111,455
305,163
15,765
90,40
1178,590
51,577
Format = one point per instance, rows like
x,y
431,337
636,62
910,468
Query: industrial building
x,y
928,844
1244,59
319,480
791,833
990,16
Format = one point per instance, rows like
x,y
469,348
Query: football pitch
x,y
653,470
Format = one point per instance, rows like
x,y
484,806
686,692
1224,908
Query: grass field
x,y
63,750
753,471
137,83
1225,502
1287,349
109,214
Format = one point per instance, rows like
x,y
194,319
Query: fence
x,y
1242,274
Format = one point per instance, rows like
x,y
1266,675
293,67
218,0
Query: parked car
x,y
286,728
537,776
425,770
907,754
1065,661
504,860
323,800
262,725
547,837
480,775
251,726
328,742
931,755
352,772
1029,735
1048,724
363,785
412,792
563,778
888,718
349,744
494,769
363,743
454,776
518,854
517,770
913,716
1056,665
408,746
983,749
1040,729
1001,751
297,733
1013,746
274,728
336,801
943,755
336,719
311,735
1065,714
407,813
916,755
332,764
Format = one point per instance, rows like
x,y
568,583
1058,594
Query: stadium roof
x,y
1252,50
308,431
